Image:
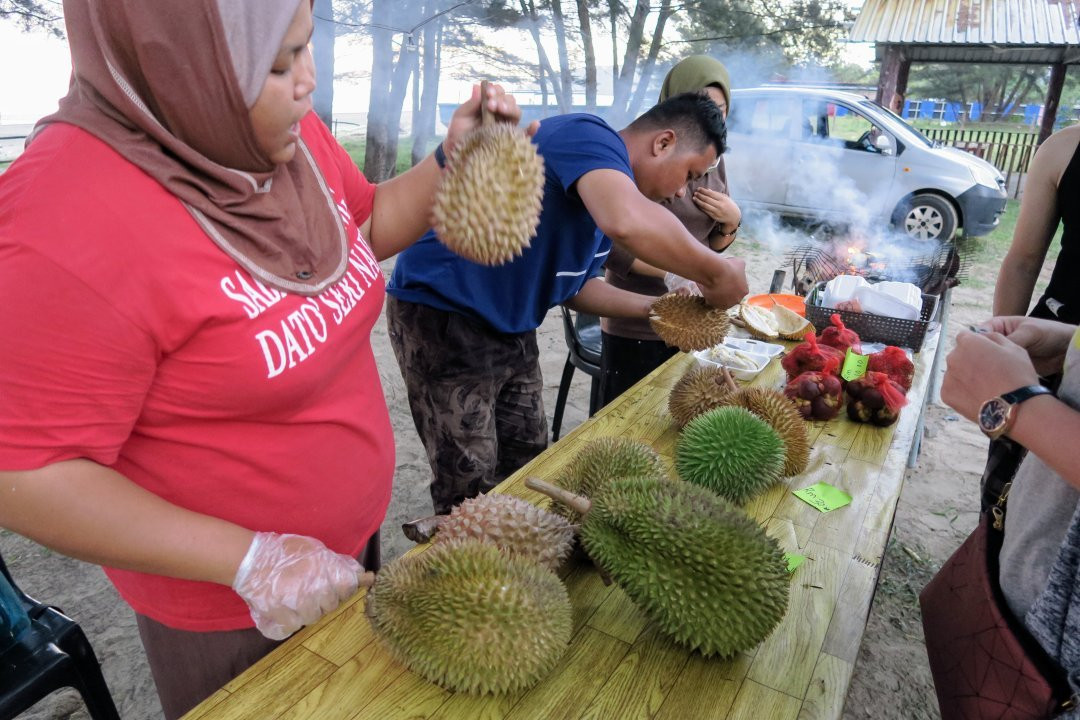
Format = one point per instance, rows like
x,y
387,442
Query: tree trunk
x,y
528,9
590,55
388,85
613,16
425,115
322,43
624,82
376,166
650,62
566,80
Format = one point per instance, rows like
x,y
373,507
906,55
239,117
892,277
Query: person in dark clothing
x,y
630,349
1050,194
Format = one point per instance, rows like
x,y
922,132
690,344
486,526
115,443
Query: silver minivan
x,y
836,156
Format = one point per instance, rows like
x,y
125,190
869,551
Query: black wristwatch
x,y
998,414
440,156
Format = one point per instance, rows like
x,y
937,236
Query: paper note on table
x,y
854,365
794,561
823,496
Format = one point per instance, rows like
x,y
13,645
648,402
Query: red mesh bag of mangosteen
x,y
818,394
809,356
839,336
875,398
894,362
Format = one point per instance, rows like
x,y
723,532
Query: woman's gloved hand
x,y
289,581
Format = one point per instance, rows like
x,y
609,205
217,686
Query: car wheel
x,y
927,218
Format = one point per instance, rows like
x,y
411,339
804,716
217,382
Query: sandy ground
x,y
937,509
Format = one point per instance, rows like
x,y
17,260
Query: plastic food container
x,y
841,288
755,347
705,358
903,291
874,301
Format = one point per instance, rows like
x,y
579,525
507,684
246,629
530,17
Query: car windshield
x,y
899,124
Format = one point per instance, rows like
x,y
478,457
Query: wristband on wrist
x,y
440,156
732,233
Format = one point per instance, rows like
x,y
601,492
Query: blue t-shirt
x,y
568,248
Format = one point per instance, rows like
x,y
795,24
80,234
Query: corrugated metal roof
x,y
1052,24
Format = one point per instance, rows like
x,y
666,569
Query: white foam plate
x,y
757,347
761,361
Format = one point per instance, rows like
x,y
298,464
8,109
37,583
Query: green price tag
x,y
854,365
794,561
823,496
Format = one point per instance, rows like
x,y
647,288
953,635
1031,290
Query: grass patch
x,y
356,147
987,252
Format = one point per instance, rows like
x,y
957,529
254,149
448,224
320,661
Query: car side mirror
x,y
884,143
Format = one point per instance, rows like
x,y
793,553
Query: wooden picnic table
x,y
618,665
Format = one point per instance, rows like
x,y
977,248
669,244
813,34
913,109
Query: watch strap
x,y
440,156
1025,393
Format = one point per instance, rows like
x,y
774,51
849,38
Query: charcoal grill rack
x,y
810,263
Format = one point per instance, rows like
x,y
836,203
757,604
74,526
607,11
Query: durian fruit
x,y
790,325
774,408
699,390
688,322
602,460
513,524
730,451
470,617
760,322
700,567
487,206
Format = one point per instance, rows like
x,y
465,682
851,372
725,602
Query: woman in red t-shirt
x,y
189,274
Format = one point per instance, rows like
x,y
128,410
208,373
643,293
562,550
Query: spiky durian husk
x,y
488,203
731,451
601,461
513,524
688,322
470,617
774,408
699,390
697,565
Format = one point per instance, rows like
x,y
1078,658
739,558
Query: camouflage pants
x,y
475,395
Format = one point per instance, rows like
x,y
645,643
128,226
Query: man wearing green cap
x,y
631,350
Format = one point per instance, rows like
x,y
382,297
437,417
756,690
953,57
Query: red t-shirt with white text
x,y
130,339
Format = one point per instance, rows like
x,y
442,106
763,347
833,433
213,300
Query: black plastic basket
x,y
876,328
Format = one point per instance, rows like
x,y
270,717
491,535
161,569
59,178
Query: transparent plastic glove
x,y
681,285
289,581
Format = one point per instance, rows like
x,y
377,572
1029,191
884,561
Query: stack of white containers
x,y
893,299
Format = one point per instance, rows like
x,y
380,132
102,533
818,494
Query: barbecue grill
x,y
933,269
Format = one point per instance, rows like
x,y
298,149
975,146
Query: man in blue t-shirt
x,y
464,333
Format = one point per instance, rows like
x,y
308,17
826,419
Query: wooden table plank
x,y
585,668
355,684
705,690
638,686
618,664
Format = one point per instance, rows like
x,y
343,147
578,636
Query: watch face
x,y
993,414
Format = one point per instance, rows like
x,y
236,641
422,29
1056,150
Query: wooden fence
x,y
1010,151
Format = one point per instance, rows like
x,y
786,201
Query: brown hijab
x,y
168,85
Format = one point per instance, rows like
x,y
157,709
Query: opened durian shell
x,y
774,408
790,325
688,322
701,389
487,206
760,322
